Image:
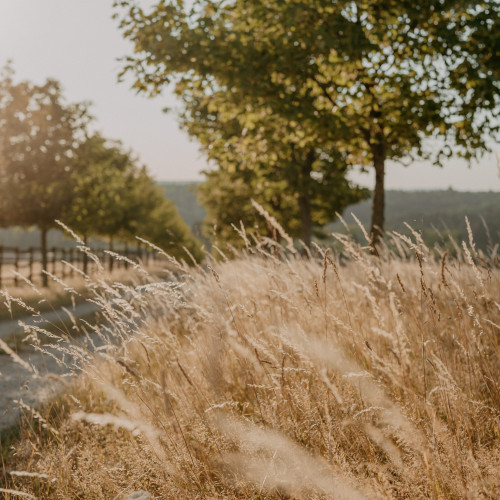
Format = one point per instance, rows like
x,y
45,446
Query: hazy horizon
x,y
416,189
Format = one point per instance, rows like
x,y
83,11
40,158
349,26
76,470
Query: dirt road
x,y
12,327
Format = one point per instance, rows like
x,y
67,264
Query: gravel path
x,y
11,327
19,383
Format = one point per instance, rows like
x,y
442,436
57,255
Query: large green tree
x,y
382,74
39,136
297,176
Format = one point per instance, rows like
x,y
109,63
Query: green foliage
x,y
183,195
50,168
115,198
157,220
39,136
165,228
227,196
297,176
103,190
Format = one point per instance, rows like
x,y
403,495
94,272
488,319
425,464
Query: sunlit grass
x,y
274,375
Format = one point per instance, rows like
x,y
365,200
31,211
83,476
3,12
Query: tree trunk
x,y
305,199
305,218
139,251
378,207
85,259
43,242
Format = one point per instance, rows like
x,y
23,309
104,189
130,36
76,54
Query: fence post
x,y
110,261
126,254
63,266
71,271
31,264
54,261
16,266
139,251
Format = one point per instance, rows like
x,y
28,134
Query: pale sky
x,y
77,43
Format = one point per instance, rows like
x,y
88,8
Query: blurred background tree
x,y
39,135
156,219
115,199
52,168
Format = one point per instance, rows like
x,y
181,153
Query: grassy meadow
x,y
270,373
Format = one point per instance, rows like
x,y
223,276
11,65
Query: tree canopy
x,y
52,167
299,177
376,78
39,136
39,139
115,198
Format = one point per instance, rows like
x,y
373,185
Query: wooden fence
x,y
28,262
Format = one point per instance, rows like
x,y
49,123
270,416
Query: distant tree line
x,y
53,168
286,96
437,215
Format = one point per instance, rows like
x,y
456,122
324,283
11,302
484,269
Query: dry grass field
x,y
274,375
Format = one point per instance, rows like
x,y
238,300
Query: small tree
x,y
39,136
157,220
100,190
165,228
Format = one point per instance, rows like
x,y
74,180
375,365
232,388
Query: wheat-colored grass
x,y
273,375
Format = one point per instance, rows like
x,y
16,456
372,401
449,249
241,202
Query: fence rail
x,y
28,262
